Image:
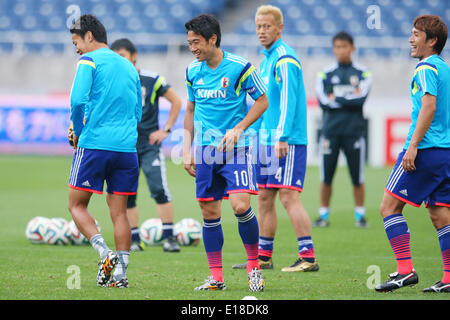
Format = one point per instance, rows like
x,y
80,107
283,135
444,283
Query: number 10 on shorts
x,y
243,178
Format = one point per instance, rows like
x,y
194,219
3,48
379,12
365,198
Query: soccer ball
x,y
36,228
75,236
188,232
151,231
57,232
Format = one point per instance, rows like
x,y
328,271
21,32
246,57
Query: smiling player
x,y
422,171
218,83
106,106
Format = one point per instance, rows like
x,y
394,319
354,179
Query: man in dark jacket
x,y
342,89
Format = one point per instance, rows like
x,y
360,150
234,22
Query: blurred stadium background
x,y
38,60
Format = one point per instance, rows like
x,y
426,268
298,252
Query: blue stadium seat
x,y
324,17
302,17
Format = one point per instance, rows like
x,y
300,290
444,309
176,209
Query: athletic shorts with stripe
x,y
429,183
287,172
354,149
91,168
220,173
153,164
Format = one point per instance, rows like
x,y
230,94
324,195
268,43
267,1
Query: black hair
x,y
205,25
344,36
123,43
88,22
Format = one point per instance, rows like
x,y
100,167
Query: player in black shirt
x,y
151,158
342,90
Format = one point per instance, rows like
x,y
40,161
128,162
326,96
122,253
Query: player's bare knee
x,y
209,211
435,220
289,198
440,216
387,209
75,207
240,207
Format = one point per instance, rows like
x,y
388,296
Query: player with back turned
x,y
422,171
150,154
106,106
218,83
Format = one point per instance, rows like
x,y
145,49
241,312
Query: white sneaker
x,y
255,280
211,284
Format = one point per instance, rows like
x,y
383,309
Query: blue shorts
x,y
218,174
287,172
90,169
429,183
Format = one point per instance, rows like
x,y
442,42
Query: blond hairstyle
x,y
274,11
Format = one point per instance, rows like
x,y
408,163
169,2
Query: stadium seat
x,y
325,17
302,17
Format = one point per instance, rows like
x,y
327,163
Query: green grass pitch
x,y
32,186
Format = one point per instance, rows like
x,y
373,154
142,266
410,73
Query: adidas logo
x,y
298,182
156,163
86,183
200,81
404,192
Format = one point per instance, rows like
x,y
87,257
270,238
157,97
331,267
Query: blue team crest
x,y
224,82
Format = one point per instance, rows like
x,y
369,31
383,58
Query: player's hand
x,y
75,142
157,137
408,159
189,165
281,149
230,139
71,136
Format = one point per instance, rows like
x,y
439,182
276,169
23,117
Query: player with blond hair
x,y
283,139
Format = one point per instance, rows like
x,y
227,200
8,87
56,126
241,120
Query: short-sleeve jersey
x,y
285,118
220,97
432,76
153,86
106,93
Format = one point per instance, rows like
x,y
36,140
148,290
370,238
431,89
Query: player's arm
x,y
189,163
289,76
139,100
356,99
80,94
427,77
158,136
251,83
232,136
424,120
323,92
188,158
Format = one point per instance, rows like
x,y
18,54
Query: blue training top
x,y
220,97
285,118
106,93
432,76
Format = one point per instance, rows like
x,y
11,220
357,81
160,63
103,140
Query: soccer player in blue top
x,y
422,171
283,140
150,154
106,106
217,84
